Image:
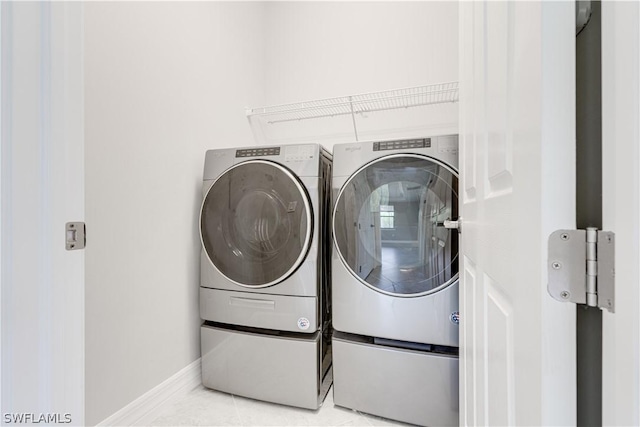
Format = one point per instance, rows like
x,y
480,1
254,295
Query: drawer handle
x,y
253,303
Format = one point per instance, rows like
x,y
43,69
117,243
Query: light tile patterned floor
x,y
204,407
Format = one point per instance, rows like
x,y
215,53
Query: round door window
x,y
255,223
389,225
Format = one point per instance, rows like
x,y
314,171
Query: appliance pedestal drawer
x,y
405,385
283,369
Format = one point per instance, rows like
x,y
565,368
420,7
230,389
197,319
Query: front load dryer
x,y
395,279
264,288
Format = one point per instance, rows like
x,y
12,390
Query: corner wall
x,y
164,82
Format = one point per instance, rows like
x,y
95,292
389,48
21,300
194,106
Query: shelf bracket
x,y
353,117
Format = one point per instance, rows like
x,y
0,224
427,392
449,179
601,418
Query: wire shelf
x,y
358,104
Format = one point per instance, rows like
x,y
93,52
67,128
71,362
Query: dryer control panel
x,y
299,152
258,152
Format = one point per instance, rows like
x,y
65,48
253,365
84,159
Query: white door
x,y
42,177
621,209
517,119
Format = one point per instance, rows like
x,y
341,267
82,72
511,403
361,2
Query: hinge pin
x,y
592,267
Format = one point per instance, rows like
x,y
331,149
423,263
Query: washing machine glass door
x,y
256,223
389,225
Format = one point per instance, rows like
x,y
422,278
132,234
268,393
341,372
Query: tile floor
x,y
204,407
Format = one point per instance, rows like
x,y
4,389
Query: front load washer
x,y
264,288
395,279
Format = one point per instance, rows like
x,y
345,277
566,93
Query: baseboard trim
x,y
145,409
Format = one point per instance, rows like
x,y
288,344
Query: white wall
x,y
621,209
164,83
321,50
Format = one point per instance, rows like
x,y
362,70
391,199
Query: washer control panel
x,y
403,144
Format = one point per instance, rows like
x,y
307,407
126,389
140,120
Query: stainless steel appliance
x,y
264,289
395,279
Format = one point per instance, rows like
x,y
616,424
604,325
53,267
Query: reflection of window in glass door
x,y
386,216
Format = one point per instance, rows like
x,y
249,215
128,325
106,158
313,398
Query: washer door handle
x,y
457,224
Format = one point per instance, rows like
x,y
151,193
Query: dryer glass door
x,y
255,223
389,225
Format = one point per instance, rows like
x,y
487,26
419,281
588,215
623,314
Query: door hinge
x,y
581,267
